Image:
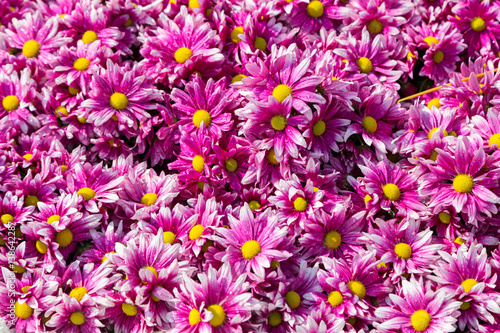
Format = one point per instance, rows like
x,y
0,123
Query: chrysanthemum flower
x,y
418,308
312,15
104,243
71,315
12,210
127,313
488,127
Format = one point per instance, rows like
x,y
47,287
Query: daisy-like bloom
x,y
478,22
12,212
296,203
35,37
488,127
409,250
251,241
418,308
271,125
321,321
262,35
127,313
218,303
198,102
120,93
390,188
180,47
104,243
463,181
312,15
467,276
369,57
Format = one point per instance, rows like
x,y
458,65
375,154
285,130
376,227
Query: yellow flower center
x,y
254,205
260,44
128,23
193,4
18,269
149,199
391,191
81,64
438,56
129,309
315,9
465,306
478,24
238,78
274,318
369,124
300,204
118,100
53,218
41,247
250,249
459,240
152,270
319,128
77,318
365,65
86,193
494,139
420,320
10,103
357,288
375,26
31,48
431,40
335,298
367,198
78,293
182,55
28,157
219,315
64,237
7,218
194,317
82,120
168,237
403,250
234,34
292,299
202,115
89,37
271,157
468,284
281,92
434,130
25,289
22,311
444,218
463,183
231,165
196,232
64,168
73,91
61,111
332,240
435,102
278,123
198,163
31,200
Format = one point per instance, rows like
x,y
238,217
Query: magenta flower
x,y
71,315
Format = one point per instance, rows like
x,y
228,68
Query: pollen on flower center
x,y
463,183
434,130
391,191
238,78
332,240
234,34
31,200
87,193
468,284
282,91
53,218
300,204
202,115
278,123
7,218
196,232
78,293
319,128
260,44
118,101
250,249
431,40
403,250
64,237
420,320
73,91
10,103
41,247
274,318
365,65
61,111
444,217
182,55
375,26
152,270
81,64
438,56
315,9
478,24
254,204
168,237
149,199
22,311
465,306
77,318
219,315
369,124
129,309
357,288
31,48
194,317
292,299
271,157
231,165
335,298
435,102
494,140
198,163
89,37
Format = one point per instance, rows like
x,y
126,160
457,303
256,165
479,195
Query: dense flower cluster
x,y
249,166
